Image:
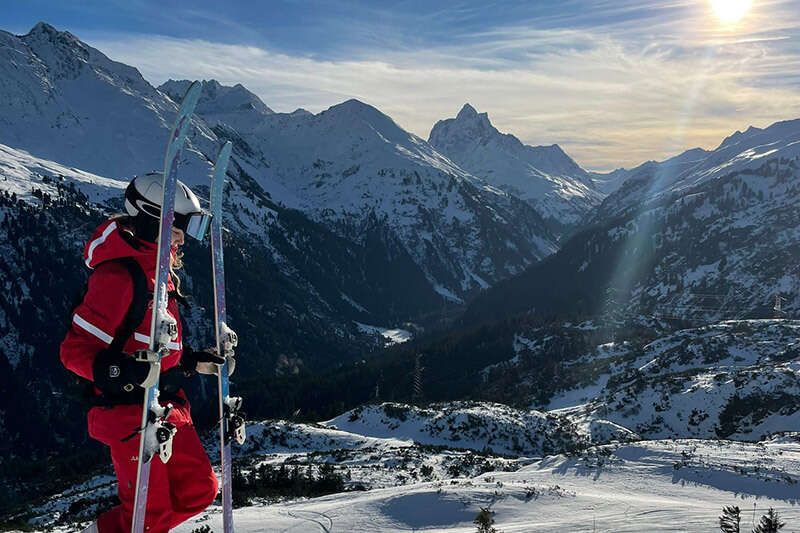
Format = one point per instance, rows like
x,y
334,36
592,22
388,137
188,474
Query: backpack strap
x,y
133,317
138,306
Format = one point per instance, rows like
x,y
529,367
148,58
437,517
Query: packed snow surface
x,y
649,486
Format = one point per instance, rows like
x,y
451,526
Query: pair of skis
x,y
155,431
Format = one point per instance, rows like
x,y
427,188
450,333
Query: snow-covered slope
x,y
650,486
545,176
724,249
21,174
738,153
65,101
738,379
621,488
475,426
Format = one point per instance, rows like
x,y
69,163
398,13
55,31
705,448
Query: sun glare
x,y
731,11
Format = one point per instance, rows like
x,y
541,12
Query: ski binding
x,y
236,426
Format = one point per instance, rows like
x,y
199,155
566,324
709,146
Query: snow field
x,y
648,486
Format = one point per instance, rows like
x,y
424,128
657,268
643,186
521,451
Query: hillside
x,y
721,249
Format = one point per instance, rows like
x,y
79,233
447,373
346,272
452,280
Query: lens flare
x,y
731,11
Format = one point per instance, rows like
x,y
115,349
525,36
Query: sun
x,y
731,11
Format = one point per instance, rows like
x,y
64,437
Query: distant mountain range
x,y
706,235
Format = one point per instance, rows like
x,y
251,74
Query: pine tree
x,y
730,518
484,521
769,523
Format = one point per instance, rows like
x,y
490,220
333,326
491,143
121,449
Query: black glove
x,y
202,361
116,372
174,379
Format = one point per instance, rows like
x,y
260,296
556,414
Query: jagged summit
x,y
467,112
749,149
776,130
545,176
43,28
43,36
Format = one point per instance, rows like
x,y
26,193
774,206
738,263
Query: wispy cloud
x,y
617,86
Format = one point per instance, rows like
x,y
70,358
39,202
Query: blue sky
x,y
614,82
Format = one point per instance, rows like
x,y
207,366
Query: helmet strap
x,y
145,227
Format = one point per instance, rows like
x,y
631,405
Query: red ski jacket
x,y
108,296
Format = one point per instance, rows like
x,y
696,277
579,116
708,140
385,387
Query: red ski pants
x,y
178,490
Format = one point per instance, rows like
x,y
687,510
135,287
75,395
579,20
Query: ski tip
x,y
192,95
225,151
221,165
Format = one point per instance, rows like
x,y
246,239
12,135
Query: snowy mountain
x,y
355,170
65,101
350,168
544,176
723,247
475,426
234,106
317,274
652,182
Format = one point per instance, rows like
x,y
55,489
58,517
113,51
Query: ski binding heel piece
x,y
159,432
236,425
164,432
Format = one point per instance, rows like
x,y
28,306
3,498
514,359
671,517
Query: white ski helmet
x,y
143,203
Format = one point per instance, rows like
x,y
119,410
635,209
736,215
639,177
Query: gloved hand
x,y
115,372
203,362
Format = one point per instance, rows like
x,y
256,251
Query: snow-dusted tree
x,y
769,523
484,521
730,518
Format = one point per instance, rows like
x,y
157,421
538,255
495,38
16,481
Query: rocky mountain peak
x,y
59,50
354,107
476,123
467,112
216,98
45,30
545,176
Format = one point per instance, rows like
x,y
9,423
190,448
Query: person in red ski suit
x,y
186,485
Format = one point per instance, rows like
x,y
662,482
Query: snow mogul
x,y
111,323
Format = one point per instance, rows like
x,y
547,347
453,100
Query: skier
x,y
110,325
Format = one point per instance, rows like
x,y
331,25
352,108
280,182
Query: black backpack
x,y
133,317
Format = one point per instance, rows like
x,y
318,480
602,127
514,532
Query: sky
x,y
615,83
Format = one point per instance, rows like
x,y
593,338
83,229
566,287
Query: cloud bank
x,y
634,87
